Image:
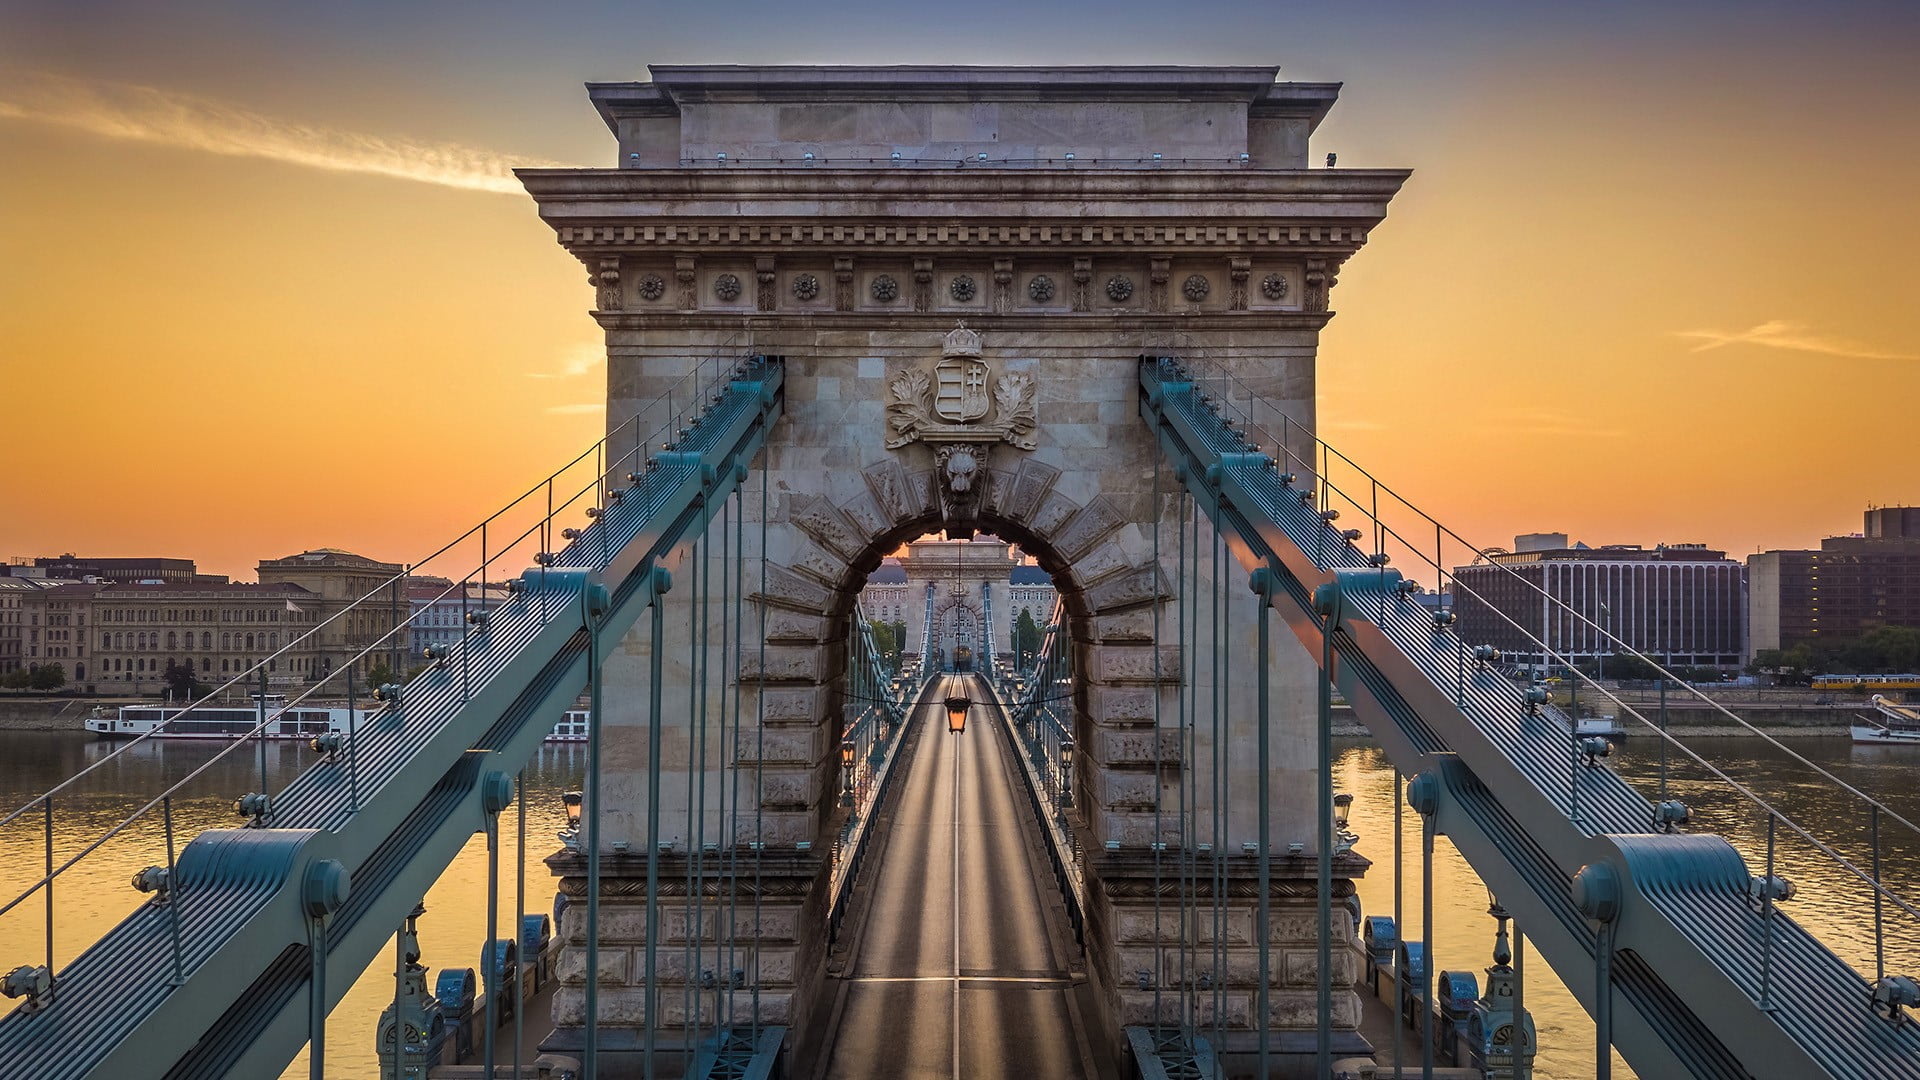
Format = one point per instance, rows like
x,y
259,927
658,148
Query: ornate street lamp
x,y
570,835
846,772
957,714
1066,772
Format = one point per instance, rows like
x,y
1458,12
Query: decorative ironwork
x,y
1119,288
727,287
806,287
885,289
1196,287
962,288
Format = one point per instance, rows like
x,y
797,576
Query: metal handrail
x,y
1559,606
380,644
374,594
1370,511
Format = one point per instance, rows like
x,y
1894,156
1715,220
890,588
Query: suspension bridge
x,y
797,855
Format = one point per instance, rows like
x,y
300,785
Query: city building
x,y
55,630
13,621
71,567
1679,604
336,579
220,630
885,596
439,611
1849,586
1030,589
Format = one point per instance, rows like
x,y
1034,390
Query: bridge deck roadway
x,y
961,963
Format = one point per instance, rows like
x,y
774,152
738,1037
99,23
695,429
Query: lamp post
x,y
846,772
571,834
957,714
1066,773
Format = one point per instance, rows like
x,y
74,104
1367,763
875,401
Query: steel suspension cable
x,y
759,758
688,904
1159,789
1217,872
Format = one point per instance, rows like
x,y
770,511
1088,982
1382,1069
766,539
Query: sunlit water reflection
x,y
1835,905
96,894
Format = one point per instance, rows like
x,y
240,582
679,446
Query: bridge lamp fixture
x,y
571,802
1342,810
957,714
1595,747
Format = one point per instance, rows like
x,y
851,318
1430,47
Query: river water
x,y
95,894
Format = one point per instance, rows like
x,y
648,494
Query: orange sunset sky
x,y
266,283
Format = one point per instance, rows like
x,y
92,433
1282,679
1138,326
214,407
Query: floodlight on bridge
x,y
957,714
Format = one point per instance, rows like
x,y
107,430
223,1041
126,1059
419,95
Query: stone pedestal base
x,y
780,949
1129,959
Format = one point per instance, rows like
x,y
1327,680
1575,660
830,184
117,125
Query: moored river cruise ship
x,y
238,721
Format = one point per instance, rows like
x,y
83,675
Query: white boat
x,y
1607,727
1891,722
238,721
222,721
571,728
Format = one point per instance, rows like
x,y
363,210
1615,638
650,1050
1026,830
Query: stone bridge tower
x,y
850,220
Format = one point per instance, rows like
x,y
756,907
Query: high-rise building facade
x,y
1681,604
1843,590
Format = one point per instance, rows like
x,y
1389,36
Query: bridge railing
x,y
1040,714
873,727
368,652
1281,489
1841,853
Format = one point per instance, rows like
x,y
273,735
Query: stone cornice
x,y
985,194
941,321
816,236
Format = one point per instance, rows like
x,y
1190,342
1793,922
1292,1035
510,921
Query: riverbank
x,y
1697,719
54,713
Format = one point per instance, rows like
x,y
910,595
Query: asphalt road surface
x,y
956,933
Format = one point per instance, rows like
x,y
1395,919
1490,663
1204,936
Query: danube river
x,y
95,893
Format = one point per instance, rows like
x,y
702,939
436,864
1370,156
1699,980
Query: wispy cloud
x,y
579,360
146,114
1793,336
583,408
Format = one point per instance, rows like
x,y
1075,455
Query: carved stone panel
x,y
1082,284
922,284
1160,270
1127,590
607,286
1053,514
865,515
768,295
1094,521
1241,268
1030,485
683,274
787,589
1136,663
888,483
823,521
843,284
